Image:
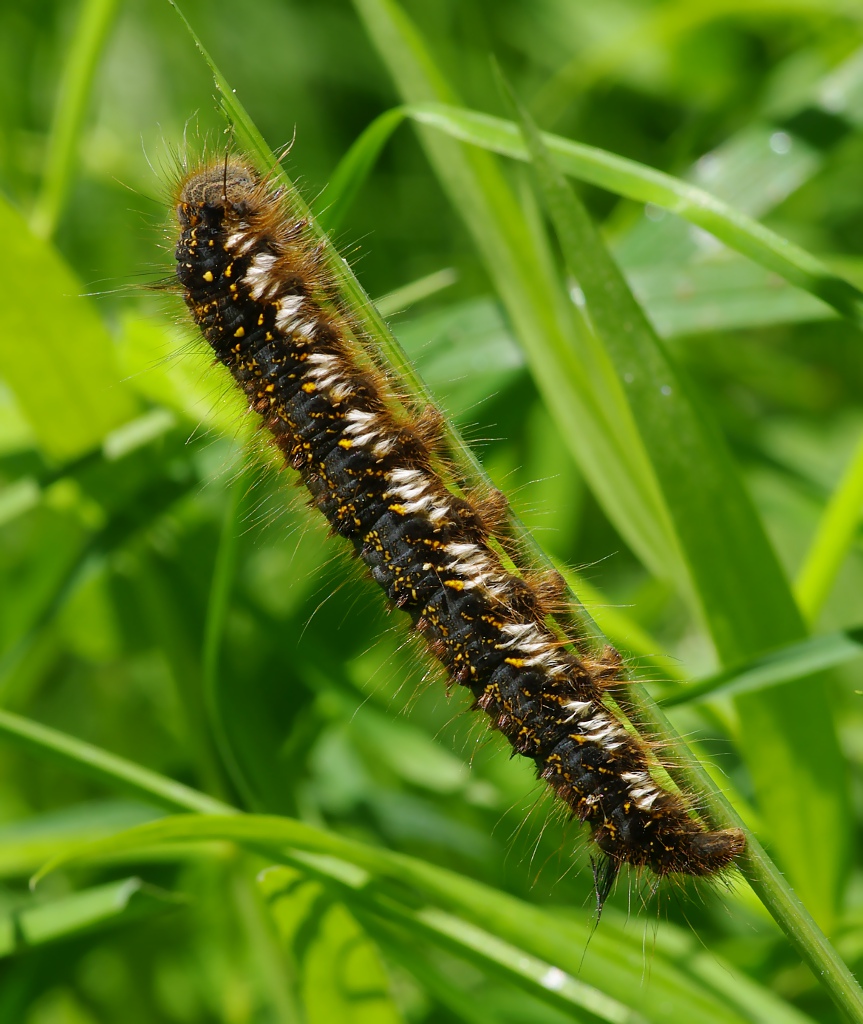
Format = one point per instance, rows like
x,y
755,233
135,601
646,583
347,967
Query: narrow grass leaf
x,y
106,767
694,470
409,294
25,845
104,906
354,168
221,586
570,368
95,19
836,533
719,296
793,661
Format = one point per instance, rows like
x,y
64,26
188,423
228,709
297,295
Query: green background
x,y
166,596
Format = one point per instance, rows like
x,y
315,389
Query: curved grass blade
x,y
558,942
699,299
529,946
26,844
646,185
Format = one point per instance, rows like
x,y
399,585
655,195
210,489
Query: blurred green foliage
x,y
166,598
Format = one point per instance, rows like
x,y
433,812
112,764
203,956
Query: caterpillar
x,y
254,281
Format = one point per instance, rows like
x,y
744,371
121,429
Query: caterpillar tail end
x,y
605,871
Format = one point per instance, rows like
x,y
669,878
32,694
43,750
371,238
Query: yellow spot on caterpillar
x,y
398,509
515,662
240,332
208,276
346,442
228,269
456,585
260,320
308,387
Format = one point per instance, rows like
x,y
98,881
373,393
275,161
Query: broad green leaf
x,y
719,296
55,353
341,976
763,163
172,368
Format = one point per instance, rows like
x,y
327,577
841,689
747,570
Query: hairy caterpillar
x,y
253,281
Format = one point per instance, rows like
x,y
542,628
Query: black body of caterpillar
x,y
255,287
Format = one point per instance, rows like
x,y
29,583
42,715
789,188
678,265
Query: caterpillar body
x,y
252,279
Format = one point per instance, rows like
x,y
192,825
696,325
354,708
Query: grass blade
x,y
793,661
833,539
73,96
103,906
691,475
487,926
646,185
108,768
